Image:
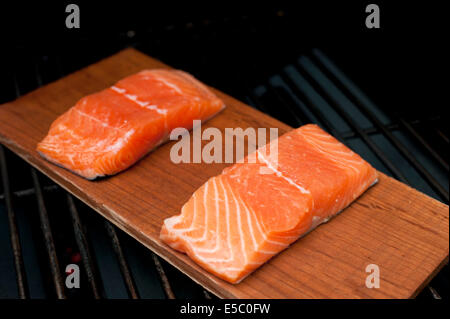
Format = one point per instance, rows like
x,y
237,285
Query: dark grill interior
x,y
42,228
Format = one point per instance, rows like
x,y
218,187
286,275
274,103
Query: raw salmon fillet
x,y
240,219
108,131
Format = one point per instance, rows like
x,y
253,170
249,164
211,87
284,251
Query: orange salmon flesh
x,y
107,132
240,219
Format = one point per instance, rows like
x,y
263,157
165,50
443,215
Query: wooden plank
x,y
399,229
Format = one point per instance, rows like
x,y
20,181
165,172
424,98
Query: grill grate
x,y
310,89
15,241
83,246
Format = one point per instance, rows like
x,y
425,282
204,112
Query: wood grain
x,y
403,231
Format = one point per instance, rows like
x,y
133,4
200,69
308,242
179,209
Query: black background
x,y
397,65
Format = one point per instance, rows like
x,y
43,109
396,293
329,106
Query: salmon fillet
x,y
107,132
240,219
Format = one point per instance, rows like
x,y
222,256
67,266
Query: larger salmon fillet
x,y
106,132
240,219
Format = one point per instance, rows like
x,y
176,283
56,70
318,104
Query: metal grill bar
x,y
14,232
48,238
354,96
164,280
369,131
257,102
45,224
377,151
313,108
352,90
424,143
83,246
442,135
287,105
29,191
434,293
285,108
125,270
374,130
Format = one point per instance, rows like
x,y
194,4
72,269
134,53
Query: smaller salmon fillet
x,y
108,131
240,219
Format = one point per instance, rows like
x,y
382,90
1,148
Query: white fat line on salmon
x,y
193,81
340,161
205,200
335,155
205,231
120,143
237,199
171,222
96,120
249,221
279,174
255,245
227,210
64,130
241,234
332,155
216,243
118,90
188,240
200,252
261,230
339,157
134,99
196,250
207,260
170,85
